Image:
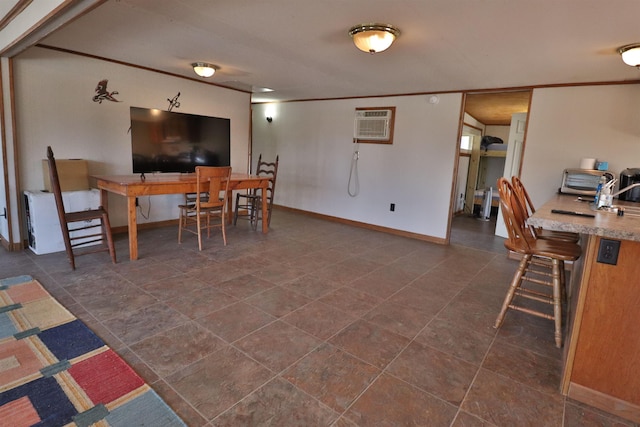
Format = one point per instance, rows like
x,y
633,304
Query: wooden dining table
x,y
133,186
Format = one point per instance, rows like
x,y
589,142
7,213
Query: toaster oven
x,y
582,181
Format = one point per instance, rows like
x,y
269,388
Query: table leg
x,y
104,199
133,228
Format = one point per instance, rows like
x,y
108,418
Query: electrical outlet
x,y
392,207
608,251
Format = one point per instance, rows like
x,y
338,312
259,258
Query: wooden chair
x,y
209,208
529,209
248,205
534,251
76,241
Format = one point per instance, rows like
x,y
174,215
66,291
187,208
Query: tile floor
x,y
320,323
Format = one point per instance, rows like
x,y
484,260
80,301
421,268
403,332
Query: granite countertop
x,y
605,224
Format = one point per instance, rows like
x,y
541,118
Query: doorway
x,y
481,160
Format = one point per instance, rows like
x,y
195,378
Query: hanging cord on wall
x,y
148,209
353,173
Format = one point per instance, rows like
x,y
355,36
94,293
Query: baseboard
x,y
145,226
431,239
605,402
387,230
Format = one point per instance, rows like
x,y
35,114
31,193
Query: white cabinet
x,y
43,226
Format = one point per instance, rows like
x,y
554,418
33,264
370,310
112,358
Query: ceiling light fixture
x,y
204,69
373,38
630,54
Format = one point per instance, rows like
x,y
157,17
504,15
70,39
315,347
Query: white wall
x,y
567,124
314,142
54,92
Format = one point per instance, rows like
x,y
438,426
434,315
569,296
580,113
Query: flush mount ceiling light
x,y
630,54
204,69
373,38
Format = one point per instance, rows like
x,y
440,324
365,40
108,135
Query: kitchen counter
x,y
605,224
601,364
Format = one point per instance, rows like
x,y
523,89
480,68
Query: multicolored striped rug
x,y
55,372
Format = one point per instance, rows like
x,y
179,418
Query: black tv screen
x,y
165,141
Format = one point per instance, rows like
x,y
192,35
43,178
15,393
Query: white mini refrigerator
x,y
43,226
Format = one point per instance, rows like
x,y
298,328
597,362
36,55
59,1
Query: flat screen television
x,y
165,141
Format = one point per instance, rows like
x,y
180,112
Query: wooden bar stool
x,y
529,209
530,283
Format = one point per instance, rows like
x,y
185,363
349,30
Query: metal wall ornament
x,y
103,94
173,102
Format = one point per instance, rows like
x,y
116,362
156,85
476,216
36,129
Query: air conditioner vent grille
x,y
373,125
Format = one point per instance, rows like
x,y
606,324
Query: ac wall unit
x,y
373,125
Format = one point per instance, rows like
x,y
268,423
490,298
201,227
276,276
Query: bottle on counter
x,y
601,183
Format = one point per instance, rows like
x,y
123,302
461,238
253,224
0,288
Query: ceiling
x,y
496,108
301,49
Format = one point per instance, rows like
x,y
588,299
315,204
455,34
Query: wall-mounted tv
x,y
165,141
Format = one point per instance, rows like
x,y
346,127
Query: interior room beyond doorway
x,y
489,148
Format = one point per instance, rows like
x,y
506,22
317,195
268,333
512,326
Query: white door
x,y
512,161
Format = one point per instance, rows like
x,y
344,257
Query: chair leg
x,y
224,225
235,212
557,301
67,245
180,225
255,205
515,284
106,228
199,226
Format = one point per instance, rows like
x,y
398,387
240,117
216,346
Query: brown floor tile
x,y
212,273
428,302
311,286
201,302
324,277
319,319
351,301
136,326
347,271
332,376
244,286
531,332
235,321
278,301
172,287
277,404
405,321
438,373
150,273
217,382
525,366
469,316
404,405
465,344
505,402
184,410
383,282
279,274
277,345
370,342
464,419
171,350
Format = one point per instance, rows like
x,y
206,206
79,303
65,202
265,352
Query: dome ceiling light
x,y
373,38
204,69
630,54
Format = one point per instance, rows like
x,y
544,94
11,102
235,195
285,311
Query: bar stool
x,y
528,283
529,209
